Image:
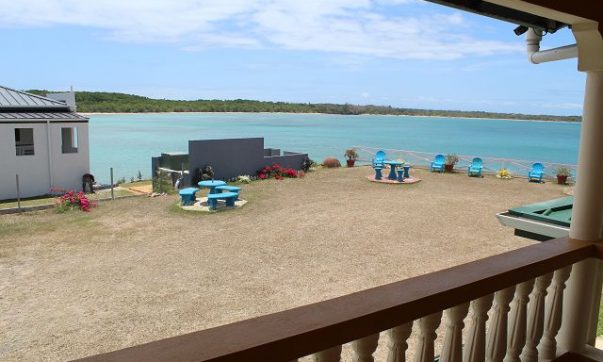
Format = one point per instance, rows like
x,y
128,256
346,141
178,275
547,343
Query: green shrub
x,y
331,162
452,159
162,182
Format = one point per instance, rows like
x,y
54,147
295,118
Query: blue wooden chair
x,y
536,173
438,163
475,168
379,159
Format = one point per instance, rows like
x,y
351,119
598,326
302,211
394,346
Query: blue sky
x,y
404,53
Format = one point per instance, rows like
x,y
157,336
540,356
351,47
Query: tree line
x,y
107,102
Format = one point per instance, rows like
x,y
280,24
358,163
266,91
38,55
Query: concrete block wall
x,y
238,156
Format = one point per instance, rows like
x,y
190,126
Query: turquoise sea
x,y
127,142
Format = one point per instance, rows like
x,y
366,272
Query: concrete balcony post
x,y
584,286
587,217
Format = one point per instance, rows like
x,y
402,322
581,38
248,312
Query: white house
x,y
43,141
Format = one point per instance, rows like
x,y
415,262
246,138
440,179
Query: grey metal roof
x,y
36,116
11,98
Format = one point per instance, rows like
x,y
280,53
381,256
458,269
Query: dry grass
x,y
51,200
134,270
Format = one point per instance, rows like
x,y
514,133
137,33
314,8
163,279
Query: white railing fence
x,y
518,168
519,323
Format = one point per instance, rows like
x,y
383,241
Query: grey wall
x,y
237,156
290,160
66,97
155,161
174,161
272,152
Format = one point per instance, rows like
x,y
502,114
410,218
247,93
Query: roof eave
x,y
504,13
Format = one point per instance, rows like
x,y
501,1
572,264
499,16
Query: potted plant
x,y
451,160
351,156
562,174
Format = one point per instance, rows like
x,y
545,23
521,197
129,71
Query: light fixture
x,y
520,30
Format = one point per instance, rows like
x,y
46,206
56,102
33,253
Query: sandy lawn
x,y
136,270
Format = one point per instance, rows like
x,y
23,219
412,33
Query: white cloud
x,y
343,26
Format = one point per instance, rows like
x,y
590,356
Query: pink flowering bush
x,y
73,200
277,172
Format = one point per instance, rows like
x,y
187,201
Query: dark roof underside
x,y
588,9
503,13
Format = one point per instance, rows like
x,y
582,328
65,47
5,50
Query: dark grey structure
x,y
228,157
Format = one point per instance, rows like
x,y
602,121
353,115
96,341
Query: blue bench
x,y
188,196
229,189
229,197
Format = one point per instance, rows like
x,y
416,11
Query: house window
x,y
24,141
69,140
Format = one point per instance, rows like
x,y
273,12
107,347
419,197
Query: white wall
x,y
34,171
68,168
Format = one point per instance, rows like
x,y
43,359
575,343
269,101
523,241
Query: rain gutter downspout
x,y
537,56
49,151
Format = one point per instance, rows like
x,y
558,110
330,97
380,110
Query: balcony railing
x,y
522,290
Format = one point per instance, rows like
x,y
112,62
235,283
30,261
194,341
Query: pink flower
x,y
72,199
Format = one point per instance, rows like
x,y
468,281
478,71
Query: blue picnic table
x,y
212,184
392,170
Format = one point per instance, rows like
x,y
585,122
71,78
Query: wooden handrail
x,y
301,331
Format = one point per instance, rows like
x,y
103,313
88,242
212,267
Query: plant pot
x,y
351,163
561,179
449,168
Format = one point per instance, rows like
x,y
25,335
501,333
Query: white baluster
x,y
553,311
517,321
536,318
452,351
427,327
328,355
397,342
365,347
497,333
475,350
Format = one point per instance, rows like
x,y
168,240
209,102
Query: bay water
x,y
127,142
